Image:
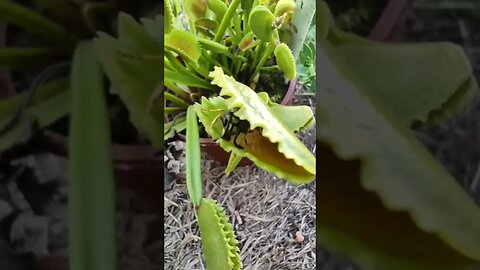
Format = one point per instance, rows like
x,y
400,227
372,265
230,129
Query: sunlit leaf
x,y
270,144
219,242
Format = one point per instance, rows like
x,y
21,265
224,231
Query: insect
x,y
233,126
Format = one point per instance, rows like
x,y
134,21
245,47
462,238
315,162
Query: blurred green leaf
x,y
134,65
91,182
403,76
11,12
193,158
15,58
384,200
51,102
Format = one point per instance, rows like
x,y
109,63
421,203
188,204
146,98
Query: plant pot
x,y
216,152
391,24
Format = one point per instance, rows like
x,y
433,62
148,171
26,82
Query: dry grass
x,y
265,211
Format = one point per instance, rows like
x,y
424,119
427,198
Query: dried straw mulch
x,y
265,211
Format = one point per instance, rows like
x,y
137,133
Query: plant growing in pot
x,y
383,199
244,46
213,62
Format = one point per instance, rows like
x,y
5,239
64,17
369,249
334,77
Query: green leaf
x,y
219,242
171,128
134,74
64,11
183,43
384,200
11,12
46,91
301,21
218,7
15,58
92,190
195,9
154,27
270,144
169,17
261,22
50,103
193,158
323,19
285,61
401,75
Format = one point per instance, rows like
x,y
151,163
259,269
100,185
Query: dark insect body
x,y
234,126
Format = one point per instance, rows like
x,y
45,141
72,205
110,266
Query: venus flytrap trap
x,y
269,141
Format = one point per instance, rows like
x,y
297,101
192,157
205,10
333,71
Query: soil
x,y
454,143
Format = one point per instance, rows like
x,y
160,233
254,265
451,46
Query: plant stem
x,y
227,19
269,68
175,99
270,49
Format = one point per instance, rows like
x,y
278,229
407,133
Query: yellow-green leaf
x,y
219,243
261,22
195,9
218,7
183,43
270,144
285,7
193,158
285,60
168,21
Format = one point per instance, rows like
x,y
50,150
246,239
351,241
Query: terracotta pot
x,y
215,152
391,23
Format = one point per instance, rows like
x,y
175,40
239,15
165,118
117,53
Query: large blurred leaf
x,y
402,75
383,199
134,65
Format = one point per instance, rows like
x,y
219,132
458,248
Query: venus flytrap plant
x,y
221,50
270,141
